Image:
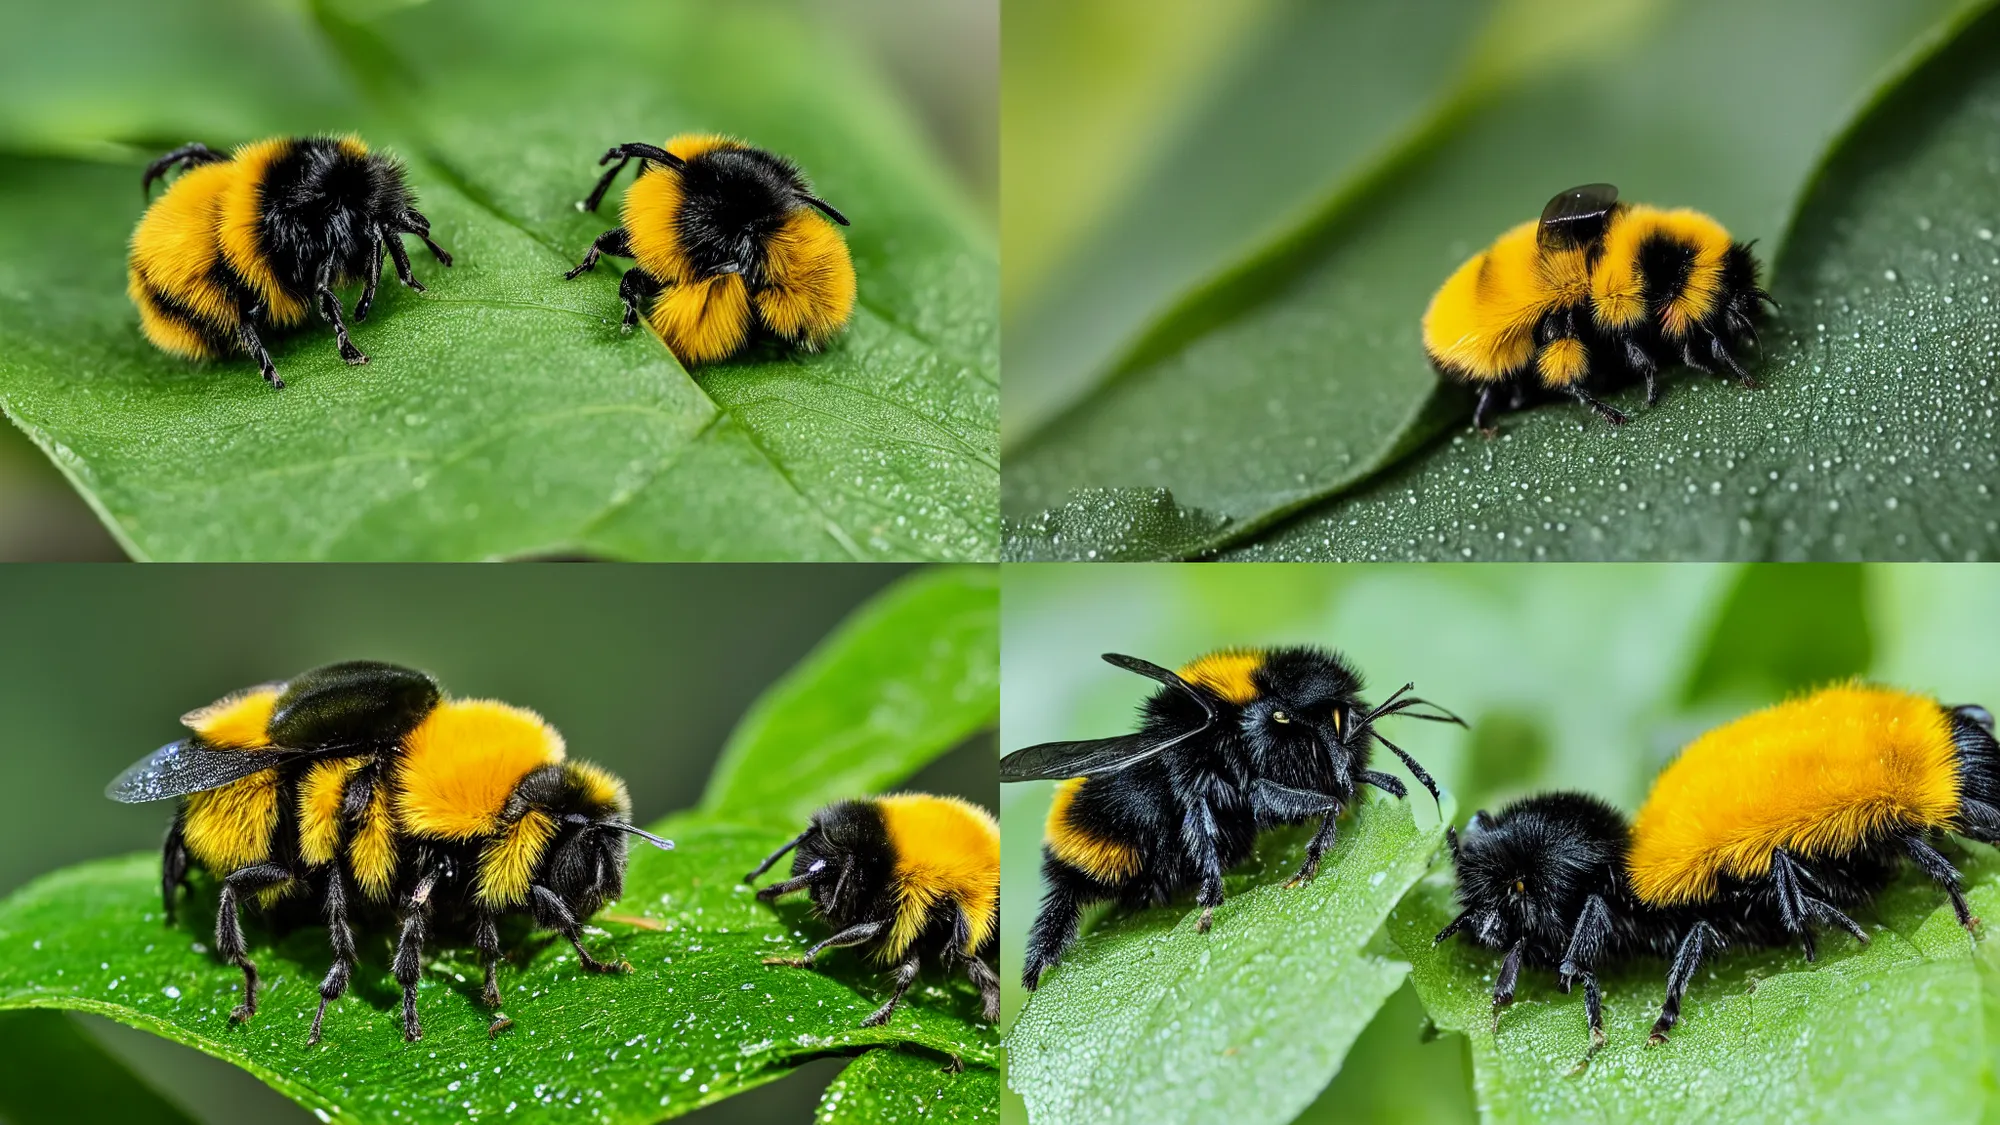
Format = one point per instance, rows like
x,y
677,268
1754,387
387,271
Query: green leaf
x,y
1872,433
1281,403
503,413
912,674
1147,1020
1784,630
1901,1030
51,1063
891,1087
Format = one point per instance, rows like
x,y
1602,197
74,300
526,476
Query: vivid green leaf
x,y
892,1087
50,1063
909,676
1147,1020
1785,629
1905,1029
1318,382
503,413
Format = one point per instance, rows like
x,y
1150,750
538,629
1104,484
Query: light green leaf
x,y
51,1064
906,678
1147,1020
892,1087
1901,1030
503,413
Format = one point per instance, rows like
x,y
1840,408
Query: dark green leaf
x,y
54,1073
1785,629
909,676
1901,1030
1111,525
503,413
1147,1020
891,1087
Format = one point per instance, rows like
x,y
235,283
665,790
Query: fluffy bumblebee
x,y
1235,741
909,877
1760,832
256,239
728,239
1596,288
361,784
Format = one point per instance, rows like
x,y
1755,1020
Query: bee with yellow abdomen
x,y
1595,289
1233,742
362,780
1759,833
259,238
729,239
907,877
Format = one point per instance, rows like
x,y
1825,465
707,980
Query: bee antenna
x,y
659,842
1387,705
1406,709
826,209
1452,927
1422,775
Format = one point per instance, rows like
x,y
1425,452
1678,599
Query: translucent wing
x,y
190,766
1576,217
1058,760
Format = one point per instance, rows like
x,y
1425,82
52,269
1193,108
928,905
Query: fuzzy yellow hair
x,y
1481,322
1617,286
1225,672
946,850
322,789
462,763
230,827
173,257
1817,776
1107,861
237,721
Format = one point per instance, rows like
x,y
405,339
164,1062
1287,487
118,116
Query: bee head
x,y
1525,872
1306,698
845,858
584,864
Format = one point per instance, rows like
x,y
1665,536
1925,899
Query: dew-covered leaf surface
x,y
896,1087
1147,1020
910,676
1905,1029
1320,386
503,413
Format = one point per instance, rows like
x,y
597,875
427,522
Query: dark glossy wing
x,y
1576,217
1059,760
188,766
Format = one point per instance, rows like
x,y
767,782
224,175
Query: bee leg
x,y
1056,924
173,866
1644,366
229,927
1701,938
409,963
905,974
1284,803
1933,863
374,275
623,155
550,912
1484,410
342,937
774,857
247,336
415,223
486,938
401,257
1510,973
612,242
1586,945
187,156
329,308
636,286
852,935
1604,410
1198,832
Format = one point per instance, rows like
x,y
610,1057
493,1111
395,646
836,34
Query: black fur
x,y
1543,881
1298,751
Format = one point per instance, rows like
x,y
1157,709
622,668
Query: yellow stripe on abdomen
x,y
1107,861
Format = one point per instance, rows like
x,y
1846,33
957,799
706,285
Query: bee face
x,y
1526,872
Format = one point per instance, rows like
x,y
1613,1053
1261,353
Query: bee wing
x,y
1059,760
189,766
1576,217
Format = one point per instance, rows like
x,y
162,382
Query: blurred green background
x,y
941,56
645,669
1587,676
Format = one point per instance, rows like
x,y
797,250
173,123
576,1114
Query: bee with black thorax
x,y
363,781
1231,743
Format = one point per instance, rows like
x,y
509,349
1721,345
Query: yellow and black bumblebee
x,y
1233,742
729,239
909,876
1595,289
258,238
1761,831
361,784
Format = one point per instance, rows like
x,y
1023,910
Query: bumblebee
x,y
1234,742
257,238
1759,833
1596,288
728,239
907,877
361,784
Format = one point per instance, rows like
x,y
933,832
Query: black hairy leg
x,y
1700,941
1284,803
1482,414
329,309
852,935
1198,832
1642,364
1586,945
1798,908
906,973
623,154
187,156
342,938
636,286
1510,974
612,242
486,939
978,972
173,866
401,258
409,962
414,222
246,335
371,276
1604,410
1934,864
229,926
1056,923
551,912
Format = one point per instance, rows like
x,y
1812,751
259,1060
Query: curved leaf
x,y
1288,403
1903,1029
503,413
891,1087
912,674
1244,1024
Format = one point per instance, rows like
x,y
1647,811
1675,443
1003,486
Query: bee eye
x,y
1280,717
1520,886
1338,716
